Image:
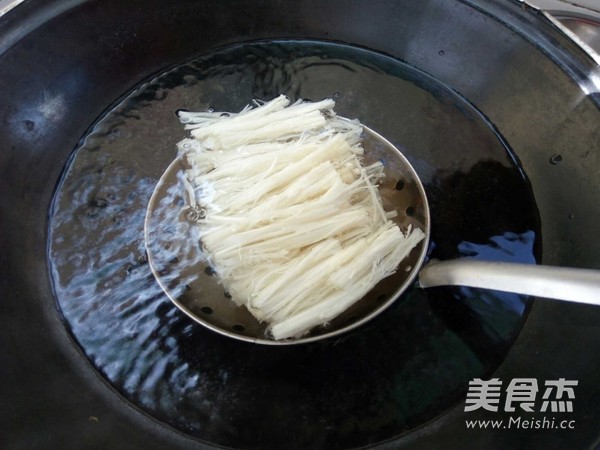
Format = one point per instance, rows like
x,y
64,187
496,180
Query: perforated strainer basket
x,y
177,262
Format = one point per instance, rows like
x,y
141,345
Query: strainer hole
x,y
239,328
209,271
399,185
206,310
410,211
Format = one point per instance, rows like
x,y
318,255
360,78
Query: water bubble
x,y
29,125
95,205
98,202
195,214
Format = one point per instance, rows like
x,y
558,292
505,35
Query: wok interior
x,y
64,63
110,300
190,283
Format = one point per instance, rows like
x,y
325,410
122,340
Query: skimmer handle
x,y
561,283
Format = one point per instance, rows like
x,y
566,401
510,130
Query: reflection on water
x,y
403,369
497,309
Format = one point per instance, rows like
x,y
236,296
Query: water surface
x,y
405,368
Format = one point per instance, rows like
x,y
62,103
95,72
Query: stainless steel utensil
x,y
561,283
181,269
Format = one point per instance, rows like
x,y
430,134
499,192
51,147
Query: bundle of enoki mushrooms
x,y
292,222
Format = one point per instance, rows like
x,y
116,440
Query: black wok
x,y
64,64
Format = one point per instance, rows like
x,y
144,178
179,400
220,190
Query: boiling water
x,y
405,368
